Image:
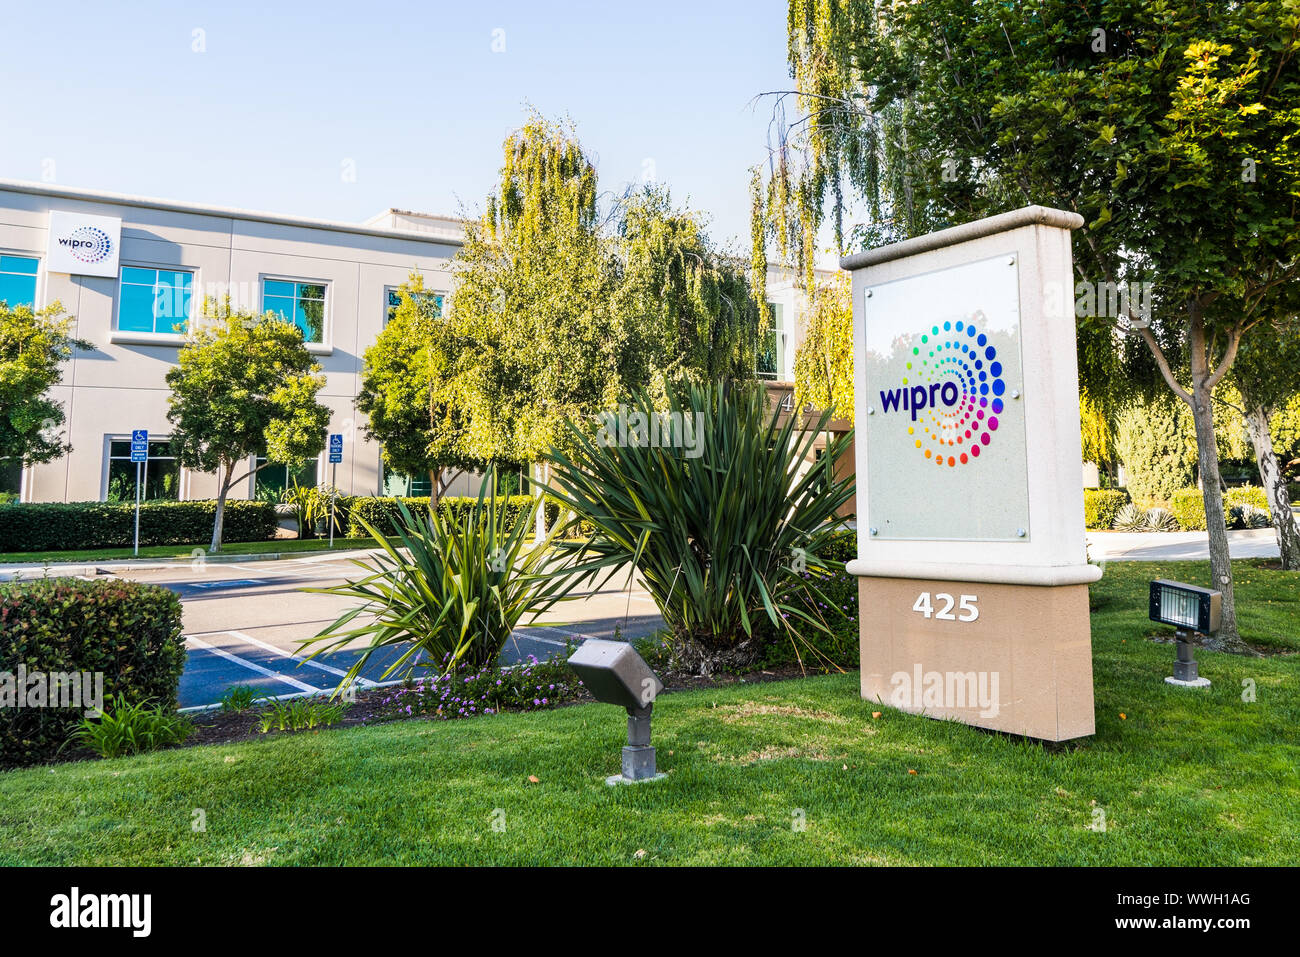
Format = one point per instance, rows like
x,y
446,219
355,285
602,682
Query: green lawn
x,y
1186,777
184,552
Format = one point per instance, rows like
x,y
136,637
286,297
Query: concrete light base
x,y
1194,683
1029,651
614,779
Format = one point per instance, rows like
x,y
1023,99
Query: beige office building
x,y
134,273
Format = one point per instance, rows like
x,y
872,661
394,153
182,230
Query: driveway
x,y
1177,546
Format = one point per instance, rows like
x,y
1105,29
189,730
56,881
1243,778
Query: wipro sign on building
x,y
83,245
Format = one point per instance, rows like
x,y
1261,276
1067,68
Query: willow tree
x,y
1170,127
823,363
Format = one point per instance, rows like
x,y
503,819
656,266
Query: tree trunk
x,y
222,491
1207,456
540,529
435,488
1274,483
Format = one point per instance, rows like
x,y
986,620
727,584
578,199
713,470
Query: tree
x,y
33,348
1170,127
823,364
1157,444
1267,376
244,386
409,393
561,313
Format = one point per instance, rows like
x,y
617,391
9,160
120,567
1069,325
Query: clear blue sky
x,y
412,93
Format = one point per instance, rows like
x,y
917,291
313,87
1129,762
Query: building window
x,y
393,299
11,480
154,300
160,478
18,280
771,355
302,303
270,482
401,485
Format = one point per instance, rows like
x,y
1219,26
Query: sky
x,y
340,110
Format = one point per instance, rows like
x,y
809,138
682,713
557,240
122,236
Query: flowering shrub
x,y
468,692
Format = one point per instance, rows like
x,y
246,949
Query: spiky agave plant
x,y
720,506
452,587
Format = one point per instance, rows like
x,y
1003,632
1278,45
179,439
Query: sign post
x,y
140,456
972,570
336,456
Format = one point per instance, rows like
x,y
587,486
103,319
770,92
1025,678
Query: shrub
x,y
1160,520
455,590
1188,506
1157,445
468,692
241,698
1101,505
55,526
1240,507
720,532
127,631
380,512
131,728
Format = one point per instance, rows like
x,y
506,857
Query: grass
x,y
1194,777
185,552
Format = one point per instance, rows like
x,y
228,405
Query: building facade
x,y
134,272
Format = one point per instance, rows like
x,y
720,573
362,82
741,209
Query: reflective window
x,y
269,483
154,300
393,299
771,355
302,303
18,280
160,477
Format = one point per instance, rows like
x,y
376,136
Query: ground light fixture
x,y
614,673
1191,610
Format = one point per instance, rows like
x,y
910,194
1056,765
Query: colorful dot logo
x,y
953,389
88,244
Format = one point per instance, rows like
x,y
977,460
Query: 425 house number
x,y
945,607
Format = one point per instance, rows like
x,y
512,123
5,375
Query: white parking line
x,y
363,682
252,665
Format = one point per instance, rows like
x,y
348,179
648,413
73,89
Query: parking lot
x,y
244,623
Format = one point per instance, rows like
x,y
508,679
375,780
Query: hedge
x,y
1101,505
55,526
1188,504
127,631
380,512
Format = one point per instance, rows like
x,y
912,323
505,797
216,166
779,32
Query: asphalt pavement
x,y
245,621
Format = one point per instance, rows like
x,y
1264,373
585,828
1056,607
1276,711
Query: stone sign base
x,y
1013,658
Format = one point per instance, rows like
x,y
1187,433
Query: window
x,y
269,482
771,355
154,300
302,303
11,480
160,479
18,280
414,486
393,299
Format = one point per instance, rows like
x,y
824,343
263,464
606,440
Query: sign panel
x,y
83,245
336,448
945,424
140,445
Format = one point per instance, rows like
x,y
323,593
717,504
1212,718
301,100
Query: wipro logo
x,y
952,392
89,244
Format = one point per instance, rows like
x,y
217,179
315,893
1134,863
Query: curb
x,y
79,569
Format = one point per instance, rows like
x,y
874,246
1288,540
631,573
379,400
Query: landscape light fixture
x,y
614,673
1191,610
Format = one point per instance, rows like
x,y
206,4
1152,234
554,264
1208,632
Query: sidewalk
x,y
1177,546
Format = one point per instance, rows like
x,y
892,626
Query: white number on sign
x,y
967,604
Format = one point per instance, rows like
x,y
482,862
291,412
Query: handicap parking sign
x,y
336,447
140,445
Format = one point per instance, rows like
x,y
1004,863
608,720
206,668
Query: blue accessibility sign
x,y
140,445
336,447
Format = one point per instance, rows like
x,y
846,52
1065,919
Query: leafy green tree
x,y
244,386
823,363
1157,444
1169,126
33,348
409,393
